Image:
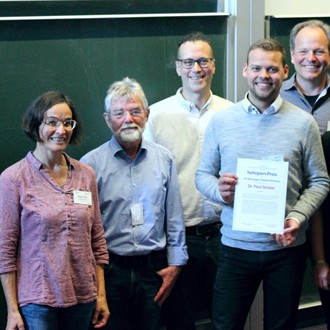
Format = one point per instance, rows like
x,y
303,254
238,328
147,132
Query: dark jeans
x,y
130,294
239,276
41,317
193,290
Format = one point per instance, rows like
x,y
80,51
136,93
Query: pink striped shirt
x,y
52,241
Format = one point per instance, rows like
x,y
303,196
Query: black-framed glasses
x,y
69,124
188,63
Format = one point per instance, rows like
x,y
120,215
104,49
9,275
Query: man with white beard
x,y
141,212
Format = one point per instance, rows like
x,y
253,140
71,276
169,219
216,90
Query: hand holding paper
x,y
227,183
289,234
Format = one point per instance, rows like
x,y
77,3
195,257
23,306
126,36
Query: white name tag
x,y
82,197
137,214
328,126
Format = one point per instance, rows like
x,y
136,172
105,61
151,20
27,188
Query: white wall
x,y
297,8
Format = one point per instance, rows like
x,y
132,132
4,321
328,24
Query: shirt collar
x,y
291,84
116,148
293,80
38,164
190,105
327,87
272,109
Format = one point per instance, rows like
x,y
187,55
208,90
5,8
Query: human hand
x,y
321,275
227,183
169,276
14,321
101,312
289,234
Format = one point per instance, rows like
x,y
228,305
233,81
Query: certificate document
x,y
260,196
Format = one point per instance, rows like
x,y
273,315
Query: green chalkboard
x,y
81,57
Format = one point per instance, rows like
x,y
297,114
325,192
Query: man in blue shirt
x,y
262,127
141,212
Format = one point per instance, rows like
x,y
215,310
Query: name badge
x,y
137,214
82,197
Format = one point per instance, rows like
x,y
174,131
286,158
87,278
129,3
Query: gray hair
x,y
310,23
125,89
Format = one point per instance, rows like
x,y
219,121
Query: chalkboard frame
x,y
97,7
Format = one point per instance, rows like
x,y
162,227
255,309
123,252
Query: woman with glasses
x,y
52,246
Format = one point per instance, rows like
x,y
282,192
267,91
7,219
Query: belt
x,y
211,229
156,260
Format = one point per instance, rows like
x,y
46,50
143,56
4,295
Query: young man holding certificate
x,y
257,145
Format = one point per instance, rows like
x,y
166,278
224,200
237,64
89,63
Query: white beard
x,y
131,135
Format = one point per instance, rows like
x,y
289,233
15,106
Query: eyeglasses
x,y
69,124
189,63
120,114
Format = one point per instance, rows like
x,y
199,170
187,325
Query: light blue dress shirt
x,y
149,180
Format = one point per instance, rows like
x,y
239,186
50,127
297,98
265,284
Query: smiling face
x,y
264,73
310,56
127,120
55,139
195,80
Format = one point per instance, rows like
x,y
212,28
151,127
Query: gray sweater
x,y
282,130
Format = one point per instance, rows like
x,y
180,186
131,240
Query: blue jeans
x,y
239,276
193,291
130,294
42,317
